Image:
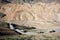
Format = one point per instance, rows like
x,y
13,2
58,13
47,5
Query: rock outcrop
x,y
39,15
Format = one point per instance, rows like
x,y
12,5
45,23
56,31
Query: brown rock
x,y
39,15
7,31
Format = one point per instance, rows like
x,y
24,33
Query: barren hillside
x,y
39,15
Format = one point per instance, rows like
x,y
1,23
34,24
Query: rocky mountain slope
x,y
39,15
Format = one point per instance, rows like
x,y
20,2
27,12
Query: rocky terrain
x,y
43,16
39,15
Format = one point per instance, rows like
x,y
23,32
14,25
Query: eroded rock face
x,y
39,15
